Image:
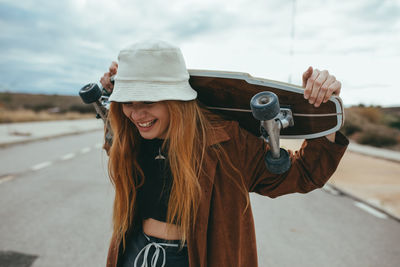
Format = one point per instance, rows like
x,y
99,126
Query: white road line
x,y
41,165
370,210
85,150
6,178
68,156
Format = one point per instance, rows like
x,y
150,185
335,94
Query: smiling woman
x,y
182,175
150,118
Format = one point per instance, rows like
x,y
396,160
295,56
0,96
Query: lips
x,y
147,124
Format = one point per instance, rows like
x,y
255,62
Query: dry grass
x,y
25,115
371,114
18,107
372,126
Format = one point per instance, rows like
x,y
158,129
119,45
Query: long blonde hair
x,y
189,130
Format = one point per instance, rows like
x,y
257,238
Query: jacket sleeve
x,y
311,166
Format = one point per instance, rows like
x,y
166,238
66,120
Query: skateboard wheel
x,y
280,165
265,106
90,93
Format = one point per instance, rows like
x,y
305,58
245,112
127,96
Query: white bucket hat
x,y
151,71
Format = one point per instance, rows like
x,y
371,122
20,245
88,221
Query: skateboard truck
x,y
92,94
265,108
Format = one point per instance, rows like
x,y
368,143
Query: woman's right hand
x,y
106,79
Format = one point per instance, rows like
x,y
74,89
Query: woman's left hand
x,y
319,86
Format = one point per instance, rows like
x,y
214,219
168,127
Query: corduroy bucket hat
x,y
152,71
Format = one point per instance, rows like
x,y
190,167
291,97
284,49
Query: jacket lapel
x,y
197,241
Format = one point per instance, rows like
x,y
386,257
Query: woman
x,y
182,174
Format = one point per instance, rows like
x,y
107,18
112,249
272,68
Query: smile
x,y
147,124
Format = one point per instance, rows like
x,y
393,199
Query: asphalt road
x,y
56,204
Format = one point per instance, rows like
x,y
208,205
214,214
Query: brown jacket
x,y
224,236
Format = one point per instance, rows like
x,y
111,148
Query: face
x,y
150,118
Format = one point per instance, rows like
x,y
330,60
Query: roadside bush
x,y
39,107
350,128
377,139
395,124
5,97
82,108
372,114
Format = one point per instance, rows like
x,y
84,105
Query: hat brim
x,y
127,91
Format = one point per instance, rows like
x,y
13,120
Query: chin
x,y
149,136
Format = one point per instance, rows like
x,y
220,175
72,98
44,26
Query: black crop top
x,y
153,196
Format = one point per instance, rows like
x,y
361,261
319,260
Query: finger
x,y
310,82
334,88
307,75
106,82
331,88
323,91
113,68
103,80
109,87
323,75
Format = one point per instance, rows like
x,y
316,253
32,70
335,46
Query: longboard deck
x,y
229,94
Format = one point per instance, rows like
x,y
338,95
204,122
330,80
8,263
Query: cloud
x,y
57,46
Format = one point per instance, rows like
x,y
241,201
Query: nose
x,y
136,113
136,110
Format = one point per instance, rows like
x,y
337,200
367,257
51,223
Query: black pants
x,y
141,247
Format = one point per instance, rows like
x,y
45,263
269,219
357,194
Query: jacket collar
x,y
218,135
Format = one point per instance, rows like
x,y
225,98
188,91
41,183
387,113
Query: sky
x,y
56,47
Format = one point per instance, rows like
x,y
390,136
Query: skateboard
x,y
229,93
266,108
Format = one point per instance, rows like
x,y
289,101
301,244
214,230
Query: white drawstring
x,y
154,259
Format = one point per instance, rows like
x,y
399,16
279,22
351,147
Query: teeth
x,y
147,124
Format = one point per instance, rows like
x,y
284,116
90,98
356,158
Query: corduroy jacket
x,y
225,236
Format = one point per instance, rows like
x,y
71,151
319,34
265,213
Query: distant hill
x,y
40,102
19,107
